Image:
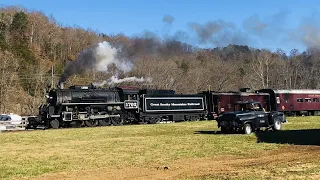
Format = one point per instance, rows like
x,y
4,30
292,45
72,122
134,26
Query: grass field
x,y
190,150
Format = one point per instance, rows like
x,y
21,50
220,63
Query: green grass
x,y
34,153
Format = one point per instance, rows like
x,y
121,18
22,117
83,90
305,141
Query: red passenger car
x,y
295,101
219,102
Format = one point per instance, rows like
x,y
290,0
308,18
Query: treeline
x,y
31,43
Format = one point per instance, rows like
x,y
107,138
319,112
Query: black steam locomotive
x,y
91,106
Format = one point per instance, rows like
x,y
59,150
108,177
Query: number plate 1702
x,y
131,104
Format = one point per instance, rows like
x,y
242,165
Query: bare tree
x,y
8,79
261,66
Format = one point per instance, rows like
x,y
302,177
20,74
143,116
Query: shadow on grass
x,y
294,137
207,132
215,132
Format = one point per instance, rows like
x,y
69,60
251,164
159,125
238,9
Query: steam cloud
x,y
115,80
168,19
96,57
207,31
308,34
255,31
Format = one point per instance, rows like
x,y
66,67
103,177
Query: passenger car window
x,y
286,98
299,100
315,99
307,99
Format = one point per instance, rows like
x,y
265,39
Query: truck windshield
x,y
242,107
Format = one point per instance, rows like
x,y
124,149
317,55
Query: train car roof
x,y
157,91
239,93
297,91
174,95
247,102
129,87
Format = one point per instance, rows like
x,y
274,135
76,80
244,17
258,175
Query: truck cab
x,y
249,116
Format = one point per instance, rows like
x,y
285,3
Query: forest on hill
x,y
35,49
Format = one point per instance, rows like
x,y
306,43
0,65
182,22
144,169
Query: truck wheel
x,y
247,129
224,130
277,125
54,124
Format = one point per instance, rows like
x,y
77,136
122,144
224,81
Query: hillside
x,y
35,49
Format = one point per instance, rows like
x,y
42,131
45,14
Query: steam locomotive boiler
x,y
86,105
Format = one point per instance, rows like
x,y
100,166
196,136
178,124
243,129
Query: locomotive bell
x,y
60,85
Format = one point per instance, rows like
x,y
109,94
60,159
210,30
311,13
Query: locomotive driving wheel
x,y
117,121
91,123
105,122
76,124
129,118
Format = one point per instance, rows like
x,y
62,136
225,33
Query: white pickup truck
x,y
12,118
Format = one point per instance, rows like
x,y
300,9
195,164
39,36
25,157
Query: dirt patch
x,y
283,162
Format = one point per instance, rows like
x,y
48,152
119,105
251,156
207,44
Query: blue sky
x,y
277,18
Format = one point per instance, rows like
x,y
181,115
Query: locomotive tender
x,y
173,107
90,106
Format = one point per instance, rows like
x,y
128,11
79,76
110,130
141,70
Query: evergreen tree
x,y
19,34
3,27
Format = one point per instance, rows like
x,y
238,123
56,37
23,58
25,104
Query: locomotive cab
x,y
130,97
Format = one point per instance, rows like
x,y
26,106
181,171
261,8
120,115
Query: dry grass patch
x,y
190,150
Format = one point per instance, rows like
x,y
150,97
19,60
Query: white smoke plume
x,y
106,54
96,57
115,80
